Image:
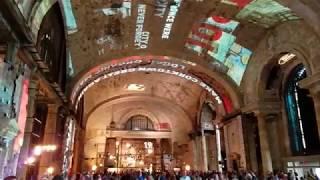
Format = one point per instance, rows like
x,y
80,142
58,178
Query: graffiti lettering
x,y
161,6
170,19
141,37
187,77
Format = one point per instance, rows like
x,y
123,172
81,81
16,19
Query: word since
x,y
170,19
141,37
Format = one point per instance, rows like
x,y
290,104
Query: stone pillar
x,y
276,153
50,158
316,100
78,147
25,149
264,144
195,154
212,152
158,154
118,152
204,152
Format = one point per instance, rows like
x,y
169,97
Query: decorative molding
x,y
96,133
263,108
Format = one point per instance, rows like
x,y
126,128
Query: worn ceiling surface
x,y
205,31
175,90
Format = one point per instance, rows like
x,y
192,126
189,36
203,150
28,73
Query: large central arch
x,y
216,82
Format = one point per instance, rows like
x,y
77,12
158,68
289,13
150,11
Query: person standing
x,y
184,176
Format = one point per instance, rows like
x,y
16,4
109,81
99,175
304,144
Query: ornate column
x,y
313,84
204,151
50,158
263,112
195,151
264,144
25,149
158,154
212,152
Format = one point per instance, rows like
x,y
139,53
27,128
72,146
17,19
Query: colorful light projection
x,y
157,64
237,61
141,39
239,3
174,8
265,13
160,8
69,17
124,10
213,37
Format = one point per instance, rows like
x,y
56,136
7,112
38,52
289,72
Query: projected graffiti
x,y
238,3
208,37
141,38
123,9
237,61
160,8
112,36
157,64
213,37
69,17
174,8
266,13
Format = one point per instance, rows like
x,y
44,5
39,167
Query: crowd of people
x,y
182,175
188,175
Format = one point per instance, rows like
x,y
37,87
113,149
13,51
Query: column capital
x,y
53,108
263,108
312,83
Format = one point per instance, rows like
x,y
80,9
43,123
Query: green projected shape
x,y
266,13
237,62
69,17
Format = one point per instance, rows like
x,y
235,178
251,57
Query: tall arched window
x,y
139,123
301,115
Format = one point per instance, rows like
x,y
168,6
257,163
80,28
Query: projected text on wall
x,y
213,36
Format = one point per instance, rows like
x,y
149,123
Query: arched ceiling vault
x,y
213,83
161,91
118,28
120,109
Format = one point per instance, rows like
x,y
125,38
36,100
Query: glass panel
x,y
290,164
139,122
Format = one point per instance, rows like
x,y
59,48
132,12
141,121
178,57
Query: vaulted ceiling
x,y
222,33
120,28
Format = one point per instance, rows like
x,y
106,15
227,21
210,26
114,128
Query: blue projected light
x,y
237,62
69,17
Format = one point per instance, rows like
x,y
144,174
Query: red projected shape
x,y
242,3
204,35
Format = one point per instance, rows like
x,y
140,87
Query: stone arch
x,y
305,11
132,97
282,39
39,10
225,87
